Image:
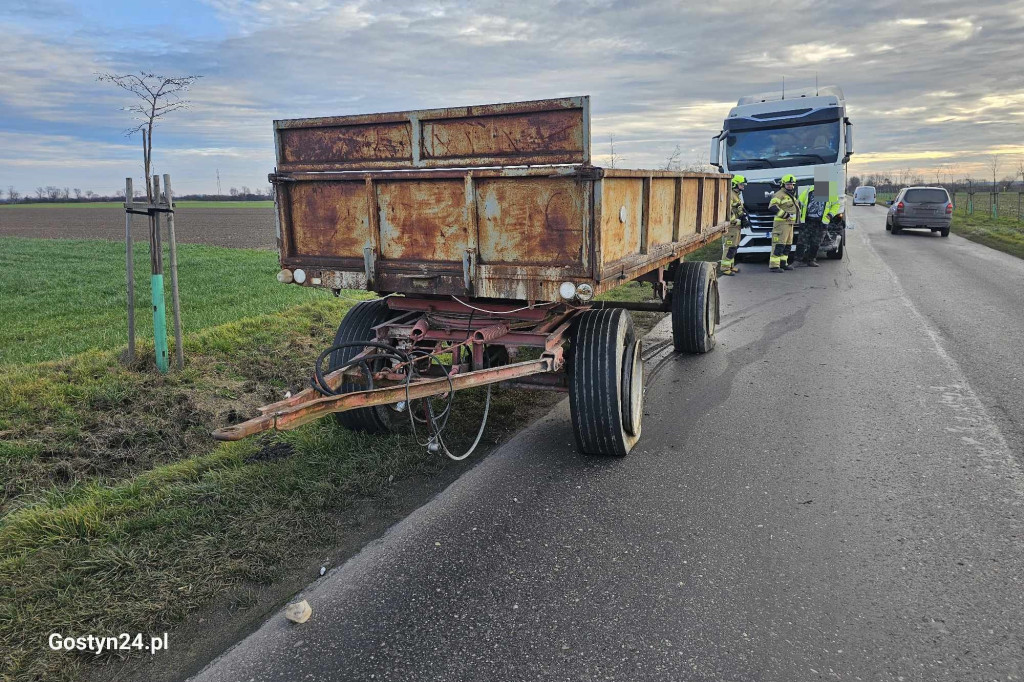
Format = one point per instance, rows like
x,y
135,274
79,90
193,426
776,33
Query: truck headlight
x,y
584,292
567,291
285,276
299,276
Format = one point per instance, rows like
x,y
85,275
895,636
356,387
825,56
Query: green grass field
x,y
1004,234
117,204
118,511
69,296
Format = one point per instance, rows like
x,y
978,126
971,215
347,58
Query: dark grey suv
x,y
926,207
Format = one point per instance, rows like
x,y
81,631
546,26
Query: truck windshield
x,y
804,145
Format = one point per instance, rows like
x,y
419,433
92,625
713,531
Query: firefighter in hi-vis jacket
x,y
731,240
787,208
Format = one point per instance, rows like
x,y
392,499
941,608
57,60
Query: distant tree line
x,y
51,194
950,176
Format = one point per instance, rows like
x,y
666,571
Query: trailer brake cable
x,y
437,421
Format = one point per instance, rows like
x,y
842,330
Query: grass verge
x,y
121,514
1003,234
68,296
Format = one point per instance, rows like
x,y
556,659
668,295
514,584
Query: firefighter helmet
x,y
738,180
788,178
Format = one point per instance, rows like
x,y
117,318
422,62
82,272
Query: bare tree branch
x,y
159,95
674,161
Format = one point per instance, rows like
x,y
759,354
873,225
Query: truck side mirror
x,y
849,139
714,157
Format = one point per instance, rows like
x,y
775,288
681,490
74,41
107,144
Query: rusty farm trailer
x,y
487,231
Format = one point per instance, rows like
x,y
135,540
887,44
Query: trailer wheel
x,y
695,311
357,325
606,383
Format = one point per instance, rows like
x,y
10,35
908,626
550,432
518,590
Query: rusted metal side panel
x,y
513,234
532,221
621,218
723,200
688,217
321,148
555,131
422,220
662,211
533,136
327,219
708,204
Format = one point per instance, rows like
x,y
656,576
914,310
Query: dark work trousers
x,y
809,240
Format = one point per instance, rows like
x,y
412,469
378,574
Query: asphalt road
x,y
830,494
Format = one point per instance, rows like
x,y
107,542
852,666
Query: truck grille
x,y
761,220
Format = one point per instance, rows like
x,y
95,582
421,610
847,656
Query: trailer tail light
x,y
949,208
899,207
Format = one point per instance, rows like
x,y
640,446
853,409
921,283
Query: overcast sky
x,y
927,83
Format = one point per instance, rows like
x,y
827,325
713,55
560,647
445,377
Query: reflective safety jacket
x,y
736,211
812,208
786,206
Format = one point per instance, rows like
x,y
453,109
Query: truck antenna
x,y
815,83
783,87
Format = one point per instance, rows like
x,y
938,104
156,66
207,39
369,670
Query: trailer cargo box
x,y
373,202
488,231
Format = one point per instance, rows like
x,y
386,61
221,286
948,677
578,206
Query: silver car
x,y
925,207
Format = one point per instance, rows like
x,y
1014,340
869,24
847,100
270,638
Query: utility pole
x,y
219,192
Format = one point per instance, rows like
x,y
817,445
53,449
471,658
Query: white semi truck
x,y
802,132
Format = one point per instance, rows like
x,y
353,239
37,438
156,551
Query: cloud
x,y
947,80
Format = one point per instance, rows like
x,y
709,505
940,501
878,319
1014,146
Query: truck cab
x,y
802,132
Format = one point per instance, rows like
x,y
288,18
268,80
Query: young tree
x,y
674,160
78,193
158,96
13,194
993,165
612,157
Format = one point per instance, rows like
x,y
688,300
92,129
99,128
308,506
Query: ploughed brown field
x,y
248,228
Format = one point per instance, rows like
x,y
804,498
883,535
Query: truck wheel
x,y
357,325
606,383
944,232
895,228
837,253
694,307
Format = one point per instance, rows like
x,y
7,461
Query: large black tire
x,y
896,229
888,225
356,326
606,383
837,253
944,232
695,311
